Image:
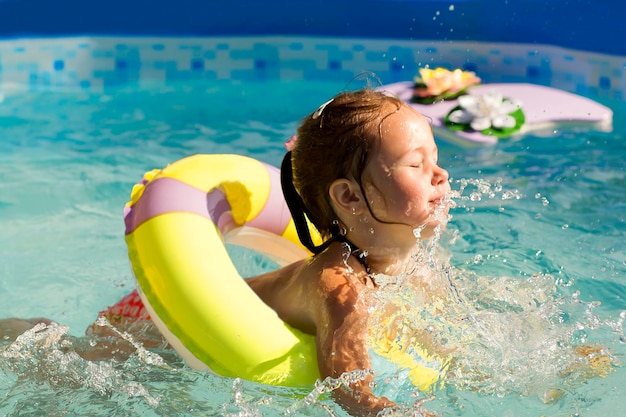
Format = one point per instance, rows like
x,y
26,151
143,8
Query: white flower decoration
x,y
485,111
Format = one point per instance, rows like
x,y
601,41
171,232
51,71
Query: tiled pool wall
x,y
99,63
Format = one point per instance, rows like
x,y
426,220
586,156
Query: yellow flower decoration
x,y
441,84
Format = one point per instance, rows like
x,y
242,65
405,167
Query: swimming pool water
x,y
68,162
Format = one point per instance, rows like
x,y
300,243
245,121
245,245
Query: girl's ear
x,y
346,196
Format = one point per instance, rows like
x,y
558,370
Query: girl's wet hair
x,y
335,141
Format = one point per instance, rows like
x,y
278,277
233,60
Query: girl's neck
x,y
381,256
388,264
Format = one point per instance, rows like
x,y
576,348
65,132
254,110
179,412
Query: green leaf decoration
x,y
503,133
441,97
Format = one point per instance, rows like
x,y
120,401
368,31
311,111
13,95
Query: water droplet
x,y
508,195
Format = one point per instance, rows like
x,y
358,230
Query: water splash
x,y
326,386
323,388
143,355
47,354
479,189
497,335
239,405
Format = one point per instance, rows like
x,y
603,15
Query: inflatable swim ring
x,y
177,222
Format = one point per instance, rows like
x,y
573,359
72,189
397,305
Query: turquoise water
x,y
551,206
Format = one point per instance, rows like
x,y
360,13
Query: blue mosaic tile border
x,y
97,63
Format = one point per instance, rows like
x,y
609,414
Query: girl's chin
x,y
426,231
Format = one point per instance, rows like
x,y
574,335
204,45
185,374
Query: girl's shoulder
x,y
339,272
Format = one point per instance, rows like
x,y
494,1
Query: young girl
x,y
364,171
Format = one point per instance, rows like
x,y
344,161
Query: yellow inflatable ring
x,y
177,222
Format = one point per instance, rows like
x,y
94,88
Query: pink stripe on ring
x,y
167,195
275,215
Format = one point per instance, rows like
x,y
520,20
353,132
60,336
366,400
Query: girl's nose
x,y
440,176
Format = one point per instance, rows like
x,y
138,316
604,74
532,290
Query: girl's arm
x,y
342,343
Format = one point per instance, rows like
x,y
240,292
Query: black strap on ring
x,y
297,208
